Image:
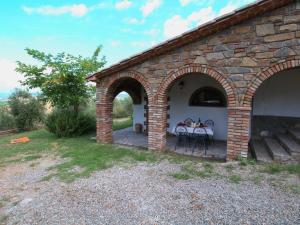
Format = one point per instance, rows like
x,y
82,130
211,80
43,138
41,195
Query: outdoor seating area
x,y
194,139
192,135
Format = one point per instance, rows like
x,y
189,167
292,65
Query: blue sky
x,y
123,27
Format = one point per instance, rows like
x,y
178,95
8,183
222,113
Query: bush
x,y
7,121
67,123
26,109
122,107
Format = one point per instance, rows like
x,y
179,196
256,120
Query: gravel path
x,y
146,194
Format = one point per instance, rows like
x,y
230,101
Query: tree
x,y
61,78
26,109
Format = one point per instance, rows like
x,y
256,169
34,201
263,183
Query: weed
x,y
235,179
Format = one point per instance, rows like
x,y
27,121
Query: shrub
x,y
26,109
7,121
67,123
122,107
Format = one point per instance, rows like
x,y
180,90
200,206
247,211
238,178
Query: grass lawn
x,y
83,156
122,123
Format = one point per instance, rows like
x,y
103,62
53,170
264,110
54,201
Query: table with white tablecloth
x,y
190,130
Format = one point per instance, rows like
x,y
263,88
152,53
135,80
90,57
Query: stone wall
x,y
240,58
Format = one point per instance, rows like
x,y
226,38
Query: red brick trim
x,y
130,74
264,75
196,68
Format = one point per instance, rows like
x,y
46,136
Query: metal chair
x,y
201,137
189,121
211,125
182,136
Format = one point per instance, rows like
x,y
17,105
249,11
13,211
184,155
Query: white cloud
x,y
227,9
177,25
115,43
133,21
124,4
77,10
185,2
150,6
152,32
9,77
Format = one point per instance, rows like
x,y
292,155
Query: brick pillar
x,y
104,107
239,119
157,127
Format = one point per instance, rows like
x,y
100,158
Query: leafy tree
x,y
61,78
26,109
122,107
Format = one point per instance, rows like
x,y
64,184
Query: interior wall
x,y
180,109
138,112
279,95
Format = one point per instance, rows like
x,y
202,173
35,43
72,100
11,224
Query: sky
x,y
122,27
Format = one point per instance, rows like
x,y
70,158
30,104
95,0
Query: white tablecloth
x,y
190,130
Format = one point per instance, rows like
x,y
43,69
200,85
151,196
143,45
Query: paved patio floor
x,y
129,138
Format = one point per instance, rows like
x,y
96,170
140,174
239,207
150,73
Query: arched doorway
x,y
176,84
275,122
119,90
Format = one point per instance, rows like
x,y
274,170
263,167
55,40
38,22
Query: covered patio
x,y
129,137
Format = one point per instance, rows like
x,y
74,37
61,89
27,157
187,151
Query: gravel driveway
x,y
141,194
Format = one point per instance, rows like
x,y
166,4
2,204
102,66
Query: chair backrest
x,y
209,123
199,131
189,121
180,130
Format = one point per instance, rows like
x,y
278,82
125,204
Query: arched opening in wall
x,y
130,113
201,99
275,124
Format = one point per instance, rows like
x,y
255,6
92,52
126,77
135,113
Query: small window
x,y
208,96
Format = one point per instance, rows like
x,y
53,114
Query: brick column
x,y
238,132
157,127
104,117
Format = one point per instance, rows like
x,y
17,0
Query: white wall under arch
x,y
180,109
279,95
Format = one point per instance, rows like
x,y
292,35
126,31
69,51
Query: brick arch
x,y
139,77
196,68
264,75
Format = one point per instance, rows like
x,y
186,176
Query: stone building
x,y
250,56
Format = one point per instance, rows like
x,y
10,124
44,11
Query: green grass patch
x,y
122,123
80,152
275,168
229,168
236,179
257,179
180,176
245,162
193,169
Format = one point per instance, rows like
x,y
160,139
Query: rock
x,y
284,52
258,48
247,61
280,37
215,56
25,201
238,70
289,27
292,19
219,48
229,54
264,55
265,29
200,60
